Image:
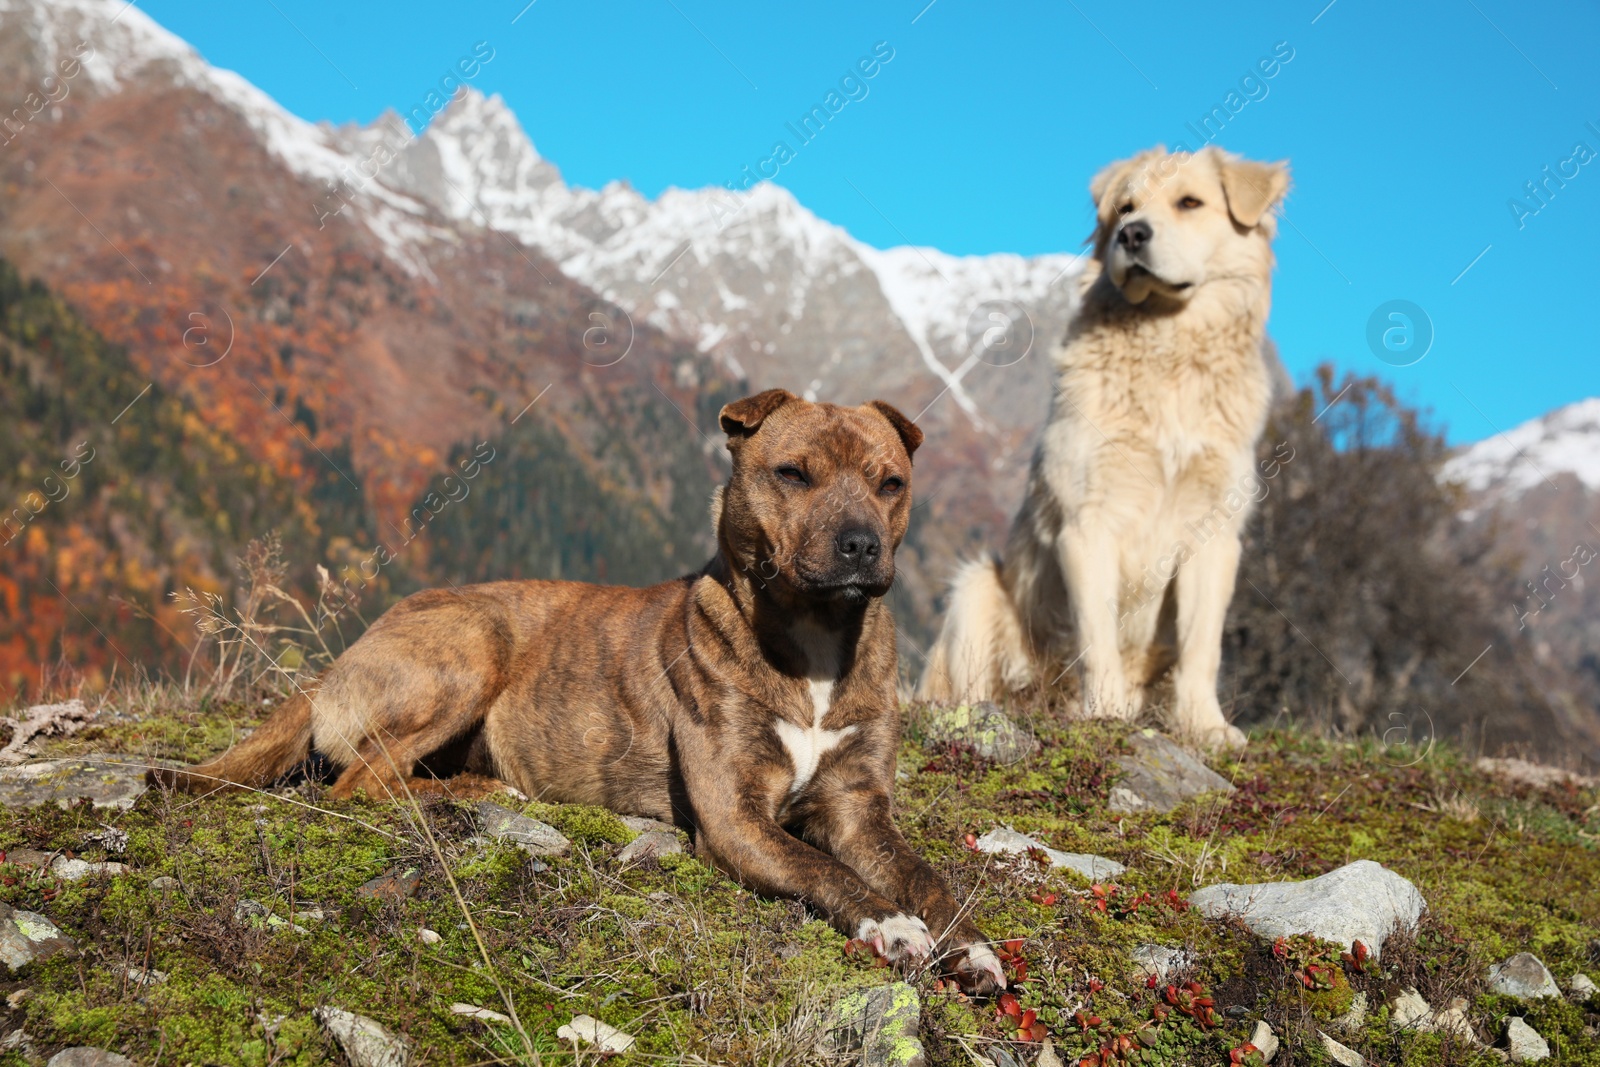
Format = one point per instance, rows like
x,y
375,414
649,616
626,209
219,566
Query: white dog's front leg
x,y
1205,586
1089,560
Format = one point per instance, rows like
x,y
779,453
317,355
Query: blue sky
x,y
1409,129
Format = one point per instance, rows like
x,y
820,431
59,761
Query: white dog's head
x,y
1170,222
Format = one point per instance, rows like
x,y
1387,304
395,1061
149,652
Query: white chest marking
x,y
807,746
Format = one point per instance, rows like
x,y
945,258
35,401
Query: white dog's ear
x,y
1252,188
1107,186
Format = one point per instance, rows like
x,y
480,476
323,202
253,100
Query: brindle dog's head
x,y
819,497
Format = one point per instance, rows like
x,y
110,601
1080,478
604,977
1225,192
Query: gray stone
x,y
1048,1056
1581,986
1159,960
1265,1040
26,936
1003,840
43,720
1361,901
656,843
1524,1043
1453,1020
1158,775
640,824
990,732
1354,1018
530,835
1346,1057
29,857
883,1024
1523,975
165,883
110,781
1521,772
1409,1011
365,1043
84,1056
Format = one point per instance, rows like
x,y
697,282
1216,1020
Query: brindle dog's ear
x,y
742,417
909,434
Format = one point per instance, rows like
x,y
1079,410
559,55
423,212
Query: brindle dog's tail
x,y
276,747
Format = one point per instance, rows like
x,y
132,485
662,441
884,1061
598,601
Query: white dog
x,y
1128,540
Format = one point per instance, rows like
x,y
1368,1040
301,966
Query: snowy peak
x,y
1566,440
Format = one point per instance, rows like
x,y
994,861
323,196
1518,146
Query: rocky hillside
x,y
1305,903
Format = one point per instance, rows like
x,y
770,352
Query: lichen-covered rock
x,y
1523,975
364,1042
1361,901
110,781
1003,839
26,936
1158,775
641,824
1409,1011
1524,1044
656,843
530,835
883,1024
1159,960
84,1056
75,870
397,883
1581,986
1354,1018
989,731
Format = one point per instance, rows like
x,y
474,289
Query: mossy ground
x,y
702,971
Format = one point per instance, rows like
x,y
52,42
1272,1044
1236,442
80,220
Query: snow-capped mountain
x,y
1564,441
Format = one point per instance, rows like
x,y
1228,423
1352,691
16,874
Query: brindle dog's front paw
x,y
898,937
978,971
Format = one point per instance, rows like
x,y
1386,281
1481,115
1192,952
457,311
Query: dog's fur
x,y
753,703
1127,543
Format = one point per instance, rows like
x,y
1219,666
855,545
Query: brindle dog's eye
x,y
793,475
1189,203
1125,209
891,486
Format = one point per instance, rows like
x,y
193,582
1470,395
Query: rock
x,y
429,937
1408,1011
84,1056
1453,1020
1159,775
587,1028
530,835
1001,1056
110,781
883,1024
1361,901
1265,1040
26,936
639,824
472,1011
77,870
990,732
29,857
1003,839
1354,1018
654,844
16,997
1581,986
1048,1056
140,976
248,909
1524,1043
43,720
1159,960
1521,772
1523,975
365,1043
165,883
1347,1057
397,883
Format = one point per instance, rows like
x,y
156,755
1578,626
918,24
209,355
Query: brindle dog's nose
x,y
1135,235
858,546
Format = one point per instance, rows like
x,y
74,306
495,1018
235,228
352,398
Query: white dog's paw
x,y
899,937
979,971
1226,736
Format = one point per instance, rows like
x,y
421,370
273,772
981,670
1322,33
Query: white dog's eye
x,y
1189,203
1124,209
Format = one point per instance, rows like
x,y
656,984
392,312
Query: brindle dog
x,y
753,703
